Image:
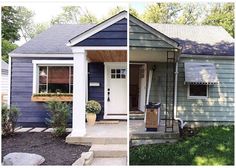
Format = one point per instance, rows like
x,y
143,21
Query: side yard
x,y
210,146
54,150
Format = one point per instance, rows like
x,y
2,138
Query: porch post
x,y
79,94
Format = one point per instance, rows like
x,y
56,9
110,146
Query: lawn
x,y
210,146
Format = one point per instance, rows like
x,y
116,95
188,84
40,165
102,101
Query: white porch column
x,y
79,94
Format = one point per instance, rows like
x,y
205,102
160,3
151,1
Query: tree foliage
x,y
7,47
219,14
161,12
222,15
10,24
74,15
133,12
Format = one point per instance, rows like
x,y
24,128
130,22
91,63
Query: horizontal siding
x,y
219,106
96,74
21,92
140,37
114,35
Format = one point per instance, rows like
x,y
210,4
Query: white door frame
x,y
106,116
145,76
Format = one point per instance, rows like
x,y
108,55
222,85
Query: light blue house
x,y
188,69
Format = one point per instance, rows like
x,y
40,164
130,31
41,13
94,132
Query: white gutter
x,y
182,123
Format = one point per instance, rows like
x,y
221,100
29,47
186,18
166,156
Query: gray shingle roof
x,y
53,40
202,40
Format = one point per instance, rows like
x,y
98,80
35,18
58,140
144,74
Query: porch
x,y
139,135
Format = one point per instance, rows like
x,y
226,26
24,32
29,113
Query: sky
x,y
44,13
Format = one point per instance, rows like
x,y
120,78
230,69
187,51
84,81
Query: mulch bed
x,y
54,150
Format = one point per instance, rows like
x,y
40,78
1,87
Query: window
x,y
118,73
55,79
197,91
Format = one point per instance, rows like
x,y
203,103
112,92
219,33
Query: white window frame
x,y
37,63
197,97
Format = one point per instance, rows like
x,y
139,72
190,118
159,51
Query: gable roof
x,y
99,27
143,35
199,40
53,40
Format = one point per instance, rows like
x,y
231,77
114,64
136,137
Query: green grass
x,y
211,146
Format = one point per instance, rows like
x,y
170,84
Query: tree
x,y
10,24
7,47
133,12
26,22
161,12
191,14
222,15
74,15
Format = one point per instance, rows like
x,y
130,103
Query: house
x,y
4,82
87,61
188,69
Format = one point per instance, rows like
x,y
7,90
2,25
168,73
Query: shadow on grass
x,y
210,146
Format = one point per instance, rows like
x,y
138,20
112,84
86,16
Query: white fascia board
x,y
9,84
97,28
42,55
83,49
153,31
53,62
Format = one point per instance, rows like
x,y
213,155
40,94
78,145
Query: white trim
x,y
53,62
42,55
120,117
36,63
79,49
205,56
97,28
9,84
197,97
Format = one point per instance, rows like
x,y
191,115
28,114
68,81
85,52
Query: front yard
x,y
211,146
54,150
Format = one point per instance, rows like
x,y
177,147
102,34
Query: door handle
x,y
108,94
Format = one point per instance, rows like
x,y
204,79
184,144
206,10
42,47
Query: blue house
x,y
87,61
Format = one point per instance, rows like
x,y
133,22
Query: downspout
x,y
182,123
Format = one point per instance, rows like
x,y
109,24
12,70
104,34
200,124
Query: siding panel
x,y
219,106
21,92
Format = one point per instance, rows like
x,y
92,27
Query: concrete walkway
x,y
37,129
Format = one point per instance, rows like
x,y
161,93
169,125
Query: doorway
x,y
138,73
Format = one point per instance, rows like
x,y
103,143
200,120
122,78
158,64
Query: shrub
x,y
59,116
9,119
93,106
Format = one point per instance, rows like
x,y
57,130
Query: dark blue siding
x,y
32,113
96,74
114,35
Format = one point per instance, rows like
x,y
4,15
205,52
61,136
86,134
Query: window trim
x,y
37,63
197,97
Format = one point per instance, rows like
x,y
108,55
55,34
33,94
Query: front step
x,y
138,116
109,161
109,150
95,140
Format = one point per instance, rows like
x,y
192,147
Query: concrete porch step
x,y
109,161
95,140
109,150
136,116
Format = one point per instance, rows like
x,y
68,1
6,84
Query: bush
x,y
93,106
9,119
59,117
